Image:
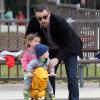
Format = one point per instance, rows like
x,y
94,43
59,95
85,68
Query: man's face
x,y
43,18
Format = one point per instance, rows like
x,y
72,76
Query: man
x,y
63,42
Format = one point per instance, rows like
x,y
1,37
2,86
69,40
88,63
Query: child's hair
x,y
29,38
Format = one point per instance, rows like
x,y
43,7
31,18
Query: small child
x,y
27,55
42,59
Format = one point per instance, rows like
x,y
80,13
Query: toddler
x,y
27,55
42,59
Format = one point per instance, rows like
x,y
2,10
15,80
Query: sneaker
x,y
26,94
47,96
52,96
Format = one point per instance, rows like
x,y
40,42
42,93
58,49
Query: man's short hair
x,y
40,8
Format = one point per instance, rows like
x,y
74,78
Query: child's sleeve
x,y
31,65
24,61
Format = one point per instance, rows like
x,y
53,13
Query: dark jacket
x,y
62,34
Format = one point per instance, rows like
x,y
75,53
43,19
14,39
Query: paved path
x,y
15,92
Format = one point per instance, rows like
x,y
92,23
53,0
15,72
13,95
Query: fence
x,y
70,11
89,33
11,38
88,3
12,34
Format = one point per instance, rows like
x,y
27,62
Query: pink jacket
x,y
27,56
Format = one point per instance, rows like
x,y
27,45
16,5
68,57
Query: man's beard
x,y
44,24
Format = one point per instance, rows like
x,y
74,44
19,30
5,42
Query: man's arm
x,y
69,42
29,27
32,26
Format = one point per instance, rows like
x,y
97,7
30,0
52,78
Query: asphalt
x,y
90,91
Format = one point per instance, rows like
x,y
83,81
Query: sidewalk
x,y
91,91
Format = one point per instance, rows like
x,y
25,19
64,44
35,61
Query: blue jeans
x,y
71,70
27,81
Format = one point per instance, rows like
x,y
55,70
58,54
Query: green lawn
x,y
13,71
90,69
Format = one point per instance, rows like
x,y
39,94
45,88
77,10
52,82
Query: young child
x,y
42,59
27,55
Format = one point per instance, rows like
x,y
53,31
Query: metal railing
x,y
11,38
71,11
88,3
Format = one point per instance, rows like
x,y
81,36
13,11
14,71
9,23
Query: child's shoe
x,y
52,96
26,94
47,96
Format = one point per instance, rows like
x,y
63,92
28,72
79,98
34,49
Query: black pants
x,y
71,71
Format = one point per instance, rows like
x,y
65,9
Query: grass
x,y
92,70
89,71
11,71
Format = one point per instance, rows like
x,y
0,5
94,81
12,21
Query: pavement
x,y
90,91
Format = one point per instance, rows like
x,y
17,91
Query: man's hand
x,y
53,62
